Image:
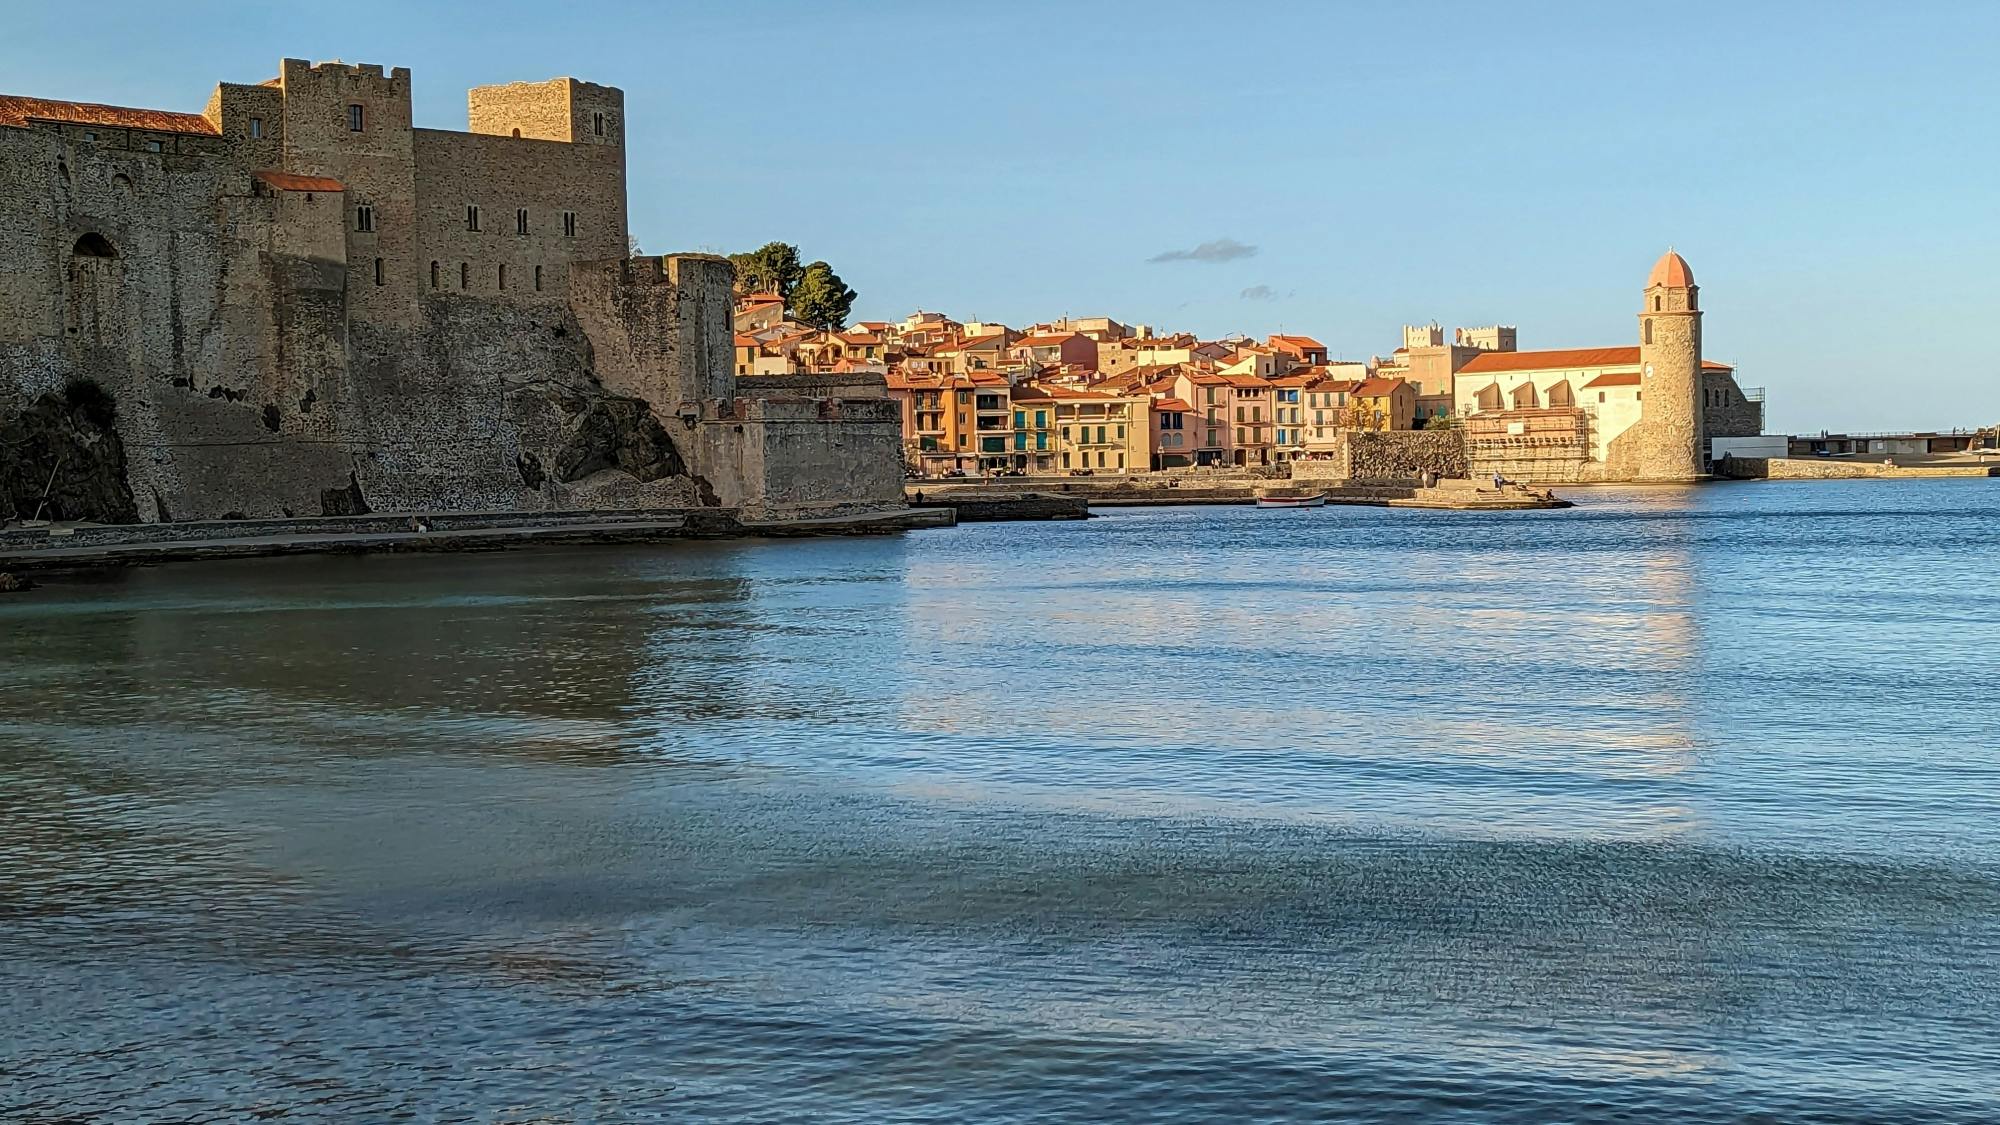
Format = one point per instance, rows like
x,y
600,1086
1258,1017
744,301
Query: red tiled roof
x,y
743,341
1558,359
18,111
1615,379
1378,388
1672,271
1172,404
1303,343
287,181
1564,359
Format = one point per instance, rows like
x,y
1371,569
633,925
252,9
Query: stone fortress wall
x,y
297,312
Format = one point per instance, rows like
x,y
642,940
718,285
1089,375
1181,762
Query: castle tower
x,y
1670,437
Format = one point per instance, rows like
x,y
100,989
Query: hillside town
x,y
1094,395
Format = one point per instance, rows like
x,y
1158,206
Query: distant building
x,y
1610,414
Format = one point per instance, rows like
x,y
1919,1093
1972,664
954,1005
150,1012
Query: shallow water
x,y
1684,804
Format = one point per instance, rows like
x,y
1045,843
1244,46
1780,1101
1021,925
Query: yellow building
x,y
1094,431
1387,404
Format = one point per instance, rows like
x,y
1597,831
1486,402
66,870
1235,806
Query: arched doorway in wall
x,y
93,245
90,303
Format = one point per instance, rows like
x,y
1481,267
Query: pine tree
x,y
771,268
821,299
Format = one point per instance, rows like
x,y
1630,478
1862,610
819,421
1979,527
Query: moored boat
x,y
1316,500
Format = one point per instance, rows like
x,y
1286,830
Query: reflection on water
x,y
1679,805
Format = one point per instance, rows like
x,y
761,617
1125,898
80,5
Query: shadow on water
x,y
1671,807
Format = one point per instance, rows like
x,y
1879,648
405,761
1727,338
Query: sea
x,y
1679,805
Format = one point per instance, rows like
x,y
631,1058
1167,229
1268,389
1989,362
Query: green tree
x,y
821,299
1441,422
771,268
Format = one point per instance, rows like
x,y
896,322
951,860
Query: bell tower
x,y
1670,423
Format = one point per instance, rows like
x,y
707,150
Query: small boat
x,y
1316,500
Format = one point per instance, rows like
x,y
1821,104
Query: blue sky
x,y
1831,170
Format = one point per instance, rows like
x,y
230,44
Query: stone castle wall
x,y
269,357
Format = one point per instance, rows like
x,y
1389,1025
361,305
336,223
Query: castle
x,y
299,304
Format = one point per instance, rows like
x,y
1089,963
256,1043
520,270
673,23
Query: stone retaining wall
x,y
1388,455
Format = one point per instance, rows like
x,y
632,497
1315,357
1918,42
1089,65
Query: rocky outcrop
x,y
61,459
613,433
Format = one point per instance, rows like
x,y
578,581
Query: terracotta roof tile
x,y
1563,359
1616,379
1377,388
18,111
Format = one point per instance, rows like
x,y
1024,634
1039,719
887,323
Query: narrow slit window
x,y
465,275
378,271
521,221
538,279
356,118
569,224
472,216
256,128
434,275
364,218
503,277
597,124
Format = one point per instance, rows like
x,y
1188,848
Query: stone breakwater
x,y
1803,468
68,548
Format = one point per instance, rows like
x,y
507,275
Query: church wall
x,y
1725,411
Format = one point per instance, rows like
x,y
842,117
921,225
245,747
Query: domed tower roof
x,y
1671,271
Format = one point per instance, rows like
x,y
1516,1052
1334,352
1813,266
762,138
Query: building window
x,y
538,279
597,124
378,271
356,117
90,136
152,146
364,218
503,277
1656,304
434,275
464,275
569,224
521,221
472,217
256,128
1649,331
